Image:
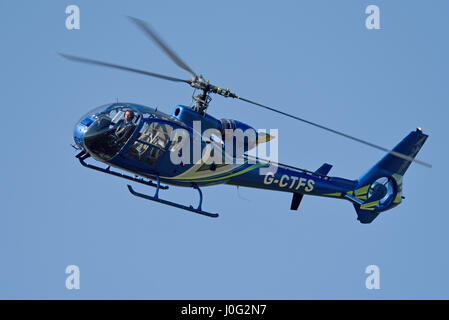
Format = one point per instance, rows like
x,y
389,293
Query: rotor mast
x,y
203,99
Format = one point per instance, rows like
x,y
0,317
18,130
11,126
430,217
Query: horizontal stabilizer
x,y
324,169
353,199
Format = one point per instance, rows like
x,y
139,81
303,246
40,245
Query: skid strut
x,y
84,155
174,204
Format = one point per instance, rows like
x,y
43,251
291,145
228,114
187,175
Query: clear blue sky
x,y
315,59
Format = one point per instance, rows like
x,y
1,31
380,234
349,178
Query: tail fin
x,y
380,188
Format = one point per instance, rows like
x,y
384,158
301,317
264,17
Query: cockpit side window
x,y
156,133
151,142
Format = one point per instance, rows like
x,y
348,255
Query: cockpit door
x,y
151,142
110,131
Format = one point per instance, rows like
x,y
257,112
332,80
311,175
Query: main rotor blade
x,y
397,154
149,32
116,66
247,156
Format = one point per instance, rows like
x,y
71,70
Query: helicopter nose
x,y
80,129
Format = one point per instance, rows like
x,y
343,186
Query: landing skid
x,y
83,156
156,198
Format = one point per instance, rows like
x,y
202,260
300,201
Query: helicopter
x,y
143,142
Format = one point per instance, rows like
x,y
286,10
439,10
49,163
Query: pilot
x,y
125,127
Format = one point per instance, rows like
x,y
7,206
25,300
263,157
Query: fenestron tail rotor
x,y
202,99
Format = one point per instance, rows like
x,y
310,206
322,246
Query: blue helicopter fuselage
x,y
146,148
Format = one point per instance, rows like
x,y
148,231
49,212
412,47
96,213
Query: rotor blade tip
x,y
131,18
62,55
137,21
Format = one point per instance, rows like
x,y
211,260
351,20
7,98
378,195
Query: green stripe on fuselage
x,y
254,166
